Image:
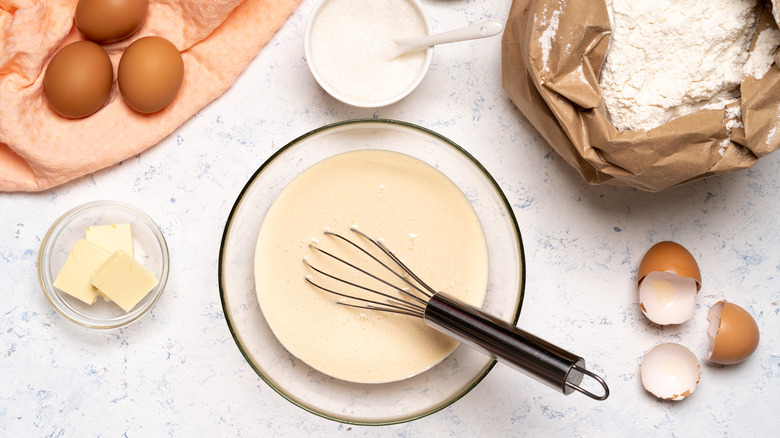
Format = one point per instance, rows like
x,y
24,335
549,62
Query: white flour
x,y
775,11
734,117
547,36
761,57
669,58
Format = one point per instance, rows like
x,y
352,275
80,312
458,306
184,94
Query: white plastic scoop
x,y
475,31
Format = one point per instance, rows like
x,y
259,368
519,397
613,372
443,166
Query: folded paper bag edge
x,y
518,84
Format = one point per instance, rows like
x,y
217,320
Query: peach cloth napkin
x,y
40,149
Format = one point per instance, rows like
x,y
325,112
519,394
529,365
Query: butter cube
x,y
112,237
76,275
124,280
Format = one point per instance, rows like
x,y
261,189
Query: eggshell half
x,y
670,371
666,298
669,256
733,333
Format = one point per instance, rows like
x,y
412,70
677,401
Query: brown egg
x,y
733,333
150,73
78,79
669,257
104,21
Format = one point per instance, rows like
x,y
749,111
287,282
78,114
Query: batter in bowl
x,y
417,211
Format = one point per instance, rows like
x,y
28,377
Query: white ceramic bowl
x,y
358,101
149,247
335,399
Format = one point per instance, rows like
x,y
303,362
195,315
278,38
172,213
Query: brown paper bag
x,y
552,75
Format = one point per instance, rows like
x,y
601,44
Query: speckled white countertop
x,y
178,371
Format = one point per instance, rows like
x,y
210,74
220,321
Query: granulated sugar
x,y
352,46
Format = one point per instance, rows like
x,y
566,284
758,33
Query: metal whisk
x,y
508,344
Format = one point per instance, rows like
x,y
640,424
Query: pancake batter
x,y
417,211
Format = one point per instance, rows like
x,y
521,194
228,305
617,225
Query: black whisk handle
x,y
510,345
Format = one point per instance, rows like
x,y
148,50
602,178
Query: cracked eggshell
x,y
666,298
670,371
733,333
668,278
669,256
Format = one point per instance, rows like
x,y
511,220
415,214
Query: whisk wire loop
x,y
423,288
428,292
395,303
403,307
385,307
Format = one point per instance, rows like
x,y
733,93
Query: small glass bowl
x,y
419,8
148,245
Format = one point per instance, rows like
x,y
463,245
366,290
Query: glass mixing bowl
x,y
338,400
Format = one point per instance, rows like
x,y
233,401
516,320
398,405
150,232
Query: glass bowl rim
x,y
59,224
236,205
